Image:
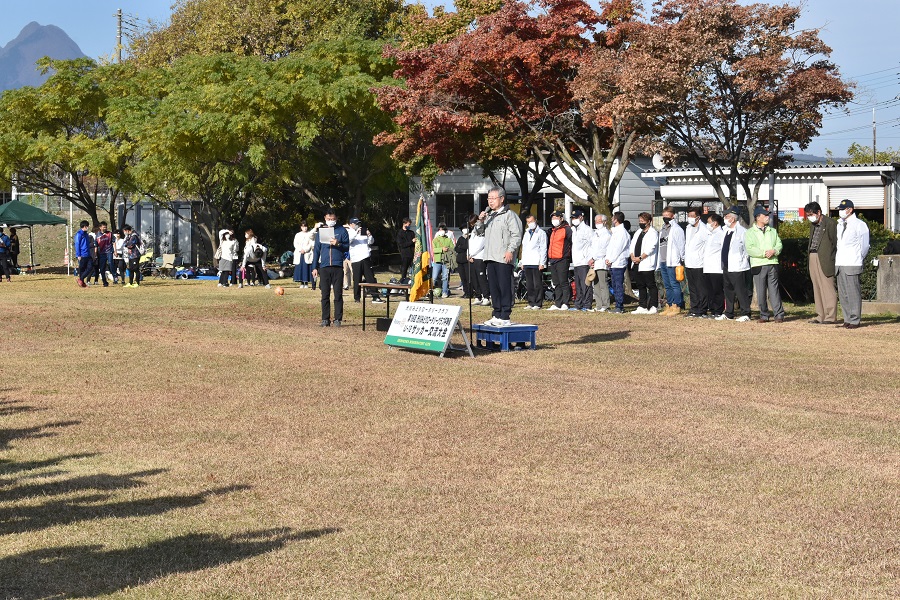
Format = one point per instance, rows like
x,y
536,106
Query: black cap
x,y
558,213
761,210
845,204
577,214
733,211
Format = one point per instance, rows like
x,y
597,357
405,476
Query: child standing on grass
x,y
227,262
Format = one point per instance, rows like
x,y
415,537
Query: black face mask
x,y
667,220
643,225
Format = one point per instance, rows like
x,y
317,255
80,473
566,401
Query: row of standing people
x,y
105,251
232,260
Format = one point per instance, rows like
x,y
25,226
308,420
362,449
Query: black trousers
x,y
405,264
697,289
736,288
119,268
104,262
362,273
559,274
134,270
584,293
648,291
260,270
715,292
500,279
534,286
467,276
479,270
331,280
85,267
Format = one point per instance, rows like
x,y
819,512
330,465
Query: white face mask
x,y
576,222
532,226
442,233
556,222
728,223
692,221
331,223
465,232
812,218
710,226
844,213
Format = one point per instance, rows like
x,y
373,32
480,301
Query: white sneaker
x,y
502,323
602,310
653,310
492,322
553,307
722,318
640,310
268,286
220,285
742,319
564,307
485,301
240,285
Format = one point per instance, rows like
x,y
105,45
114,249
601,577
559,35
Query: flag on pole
x,y
422,259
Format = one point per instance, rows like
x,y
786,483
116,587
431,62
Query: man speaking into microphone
x,y
502,230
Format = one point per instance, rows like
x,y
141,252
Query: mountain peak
x,y
35,41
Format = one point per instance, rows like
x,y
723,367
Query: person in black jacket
x,y
469,281
406,242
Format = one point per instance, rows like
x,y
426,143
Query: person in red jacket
x,y
559,257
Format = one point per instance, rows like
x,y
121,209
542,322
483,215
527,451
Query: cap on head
x,y
557,213
733,211
355,221
845,204
577,214
761,210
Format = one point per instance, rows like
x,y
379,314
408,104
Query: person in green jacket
x,y
764,247
442,246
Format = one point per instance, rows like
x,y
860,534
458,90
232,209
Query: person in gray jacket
x,y
502,231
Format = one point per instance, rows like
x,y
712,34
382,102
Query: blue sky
x,y
862,34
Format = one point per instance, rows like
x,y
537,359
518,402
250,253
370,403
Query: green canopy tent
x,y
19,214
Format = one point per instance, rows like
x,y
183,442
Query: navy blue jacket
x,y
326,255
4,247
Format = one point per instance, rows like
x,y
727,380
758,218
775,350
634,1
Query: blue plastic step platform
x,y
505,336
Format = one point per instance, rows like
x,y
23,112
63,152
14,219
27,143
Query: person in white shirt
x,y
644,254
255,258
582,242
735,268
479,272
360,259
696,235
598,262
712,265
303,255
671,255
852,248
617,260
534,261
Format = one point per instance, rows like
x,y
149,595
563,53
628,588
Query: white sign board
x,y
423,326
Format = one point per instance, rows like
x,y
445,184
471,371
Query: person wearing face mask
x,y
328,260
582,241
303,247
478,271
713,277
735,268
696,235
644,254
440,268
822,248
361,259
617,253
502,229
599,244
406,244
764,247
534,260
255,258
462,258
671,254
228,257
559,256
850,254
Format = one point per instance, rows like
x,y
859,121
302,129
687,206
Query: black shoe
x,y
325,323
336,323
105,284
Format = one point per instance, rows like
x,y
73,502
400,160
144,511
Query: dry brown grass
x,y
182,440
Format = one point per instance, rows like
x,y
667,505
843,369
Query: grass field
x,y
186,441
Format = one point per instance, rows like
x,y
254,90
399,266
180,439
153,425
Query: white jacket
x,y
712,251
476,246
738,259
649,246
852,242
582,240
617,250
229,249
248,247
599,245
534,248
695,245
675,245
303,247
359,245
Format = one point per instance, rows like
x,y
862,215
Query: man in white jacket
x,y
617,260
582,241
644,255
696,235
598,262
735,268
852,248
671,255
534,261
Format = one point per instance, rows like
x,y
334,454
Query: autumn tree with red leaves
x,y
499,89
733,87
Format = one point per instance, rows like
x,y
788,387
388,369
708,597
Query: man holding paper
x,y
331,242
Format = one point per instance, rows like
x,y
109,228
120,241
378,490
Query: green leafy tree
x,y
860,155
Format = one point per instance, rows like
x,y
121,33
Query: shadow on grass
x,y
11,467
598,338
82,571
21,519
102,482
13,407
8,436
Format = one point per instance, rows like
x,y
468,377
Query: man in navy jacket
x,y
328,265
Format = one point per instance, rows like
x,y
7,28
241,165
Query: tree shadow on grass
x,y
86,571
7,436
598,338
101,482
22,519
13,407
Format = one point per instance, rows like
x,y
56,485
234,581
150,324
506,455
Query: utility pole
x,y
119,36
874,154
